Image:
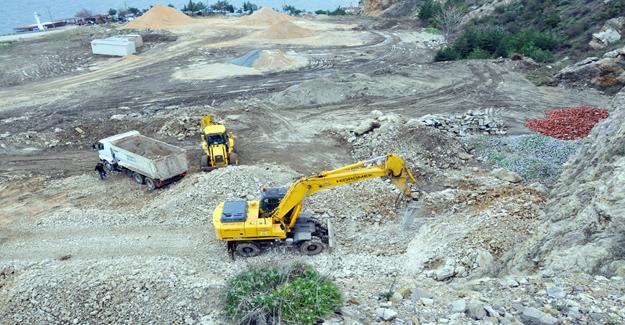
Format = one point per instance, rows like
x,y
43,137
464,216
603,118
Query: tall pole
x,y
50,14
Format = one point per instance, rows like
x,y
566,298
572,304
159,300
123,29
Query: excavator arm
x,y
391,166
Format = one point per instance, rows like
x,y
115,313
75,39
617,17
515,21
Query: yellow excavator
x,y
217,144
248,227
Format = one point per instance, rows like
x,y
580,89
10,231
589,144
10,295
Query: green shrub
x,y
428,10
432,30
479,54
552,20
297,294
494,42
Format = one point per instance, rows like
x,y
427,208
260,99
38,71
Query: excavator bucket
x,y
206,120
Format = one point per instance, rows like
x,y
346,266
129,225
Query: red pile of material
x,y
568,123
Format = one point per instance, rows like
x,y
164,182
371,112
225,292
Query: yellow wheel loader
x,y
217,144
248,227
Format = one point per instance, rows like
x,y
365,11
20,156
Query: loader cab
x,y
216,139
270,199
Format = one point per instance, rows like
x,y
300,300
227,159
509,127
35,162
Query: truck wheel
x,y
311,247
110,167
247,249
138,178
234,159
150,183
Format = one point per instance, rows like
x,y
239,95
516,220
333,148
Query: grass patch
x,y
432,30
296,294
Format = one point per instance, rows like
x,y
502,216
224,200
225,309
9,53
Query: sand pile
x,y
266,16
284,30
161,17
273,60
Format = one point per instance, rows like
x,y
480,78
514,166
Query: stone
x,y
376,113
386,314
475,310
533,316
118,117
366,127
555,292
444,273
507,175
490,311
427,301
458,306
396,298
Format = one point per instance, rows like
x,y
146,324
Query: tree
x,y
84,13
291,10
428,10
222,6
194,6
249,7
339,11
134,11
321,12
449,20
112,12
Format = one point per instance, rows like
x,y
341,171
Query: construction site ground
x,y
77,249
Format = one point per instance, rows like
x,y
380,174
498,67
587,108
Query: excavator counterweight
x,y
277,217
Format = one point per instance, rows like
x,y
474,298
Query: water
x,y
19,12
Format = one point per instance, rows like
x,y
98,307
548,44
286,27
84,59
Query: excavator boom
x,y
275,218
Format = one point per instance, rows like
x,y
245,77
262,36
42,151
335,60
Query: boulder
x,y
533,316
366,127
507,175
610,33
458,306
475,310
386,314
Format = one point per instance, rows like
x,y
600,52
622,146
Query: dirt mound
x,y
161,17
272,59
284,30
266,16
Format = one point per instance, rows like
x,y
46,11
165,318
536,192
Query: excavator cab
x,y
270,199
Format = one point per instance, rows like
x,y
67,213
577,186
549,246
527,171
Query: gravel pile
x,y
470,122
536,158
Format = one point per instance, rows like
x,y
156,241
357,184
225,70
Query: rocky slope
x,y
585,220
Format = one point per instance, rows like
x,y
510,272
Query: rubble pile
x,y
423,148
468,226
568,123
470,122
181,127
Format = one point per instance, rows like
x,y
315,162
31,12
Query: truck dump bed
x,y
150,157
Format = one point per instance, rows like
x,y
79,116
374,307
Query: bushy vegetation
x,y
540,29
296,294
339,11
494,42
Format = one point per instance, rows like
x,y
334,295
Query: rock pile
x,y
568,123
470,122
610,33
606,73
423,148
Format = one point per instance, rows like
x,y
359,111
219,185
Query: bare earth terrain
x,y
75,249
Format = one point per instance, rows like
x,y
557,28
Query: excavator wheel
x,y
247,249
311,247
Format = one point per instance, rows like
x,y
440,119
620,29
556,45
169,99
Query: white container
x,y
114,46
135,38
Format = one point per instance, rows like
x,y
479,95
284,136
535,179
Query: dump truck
x,y
148,161
248,227
217,144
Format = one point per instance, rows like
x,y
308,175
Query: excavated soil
x,y
161,17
